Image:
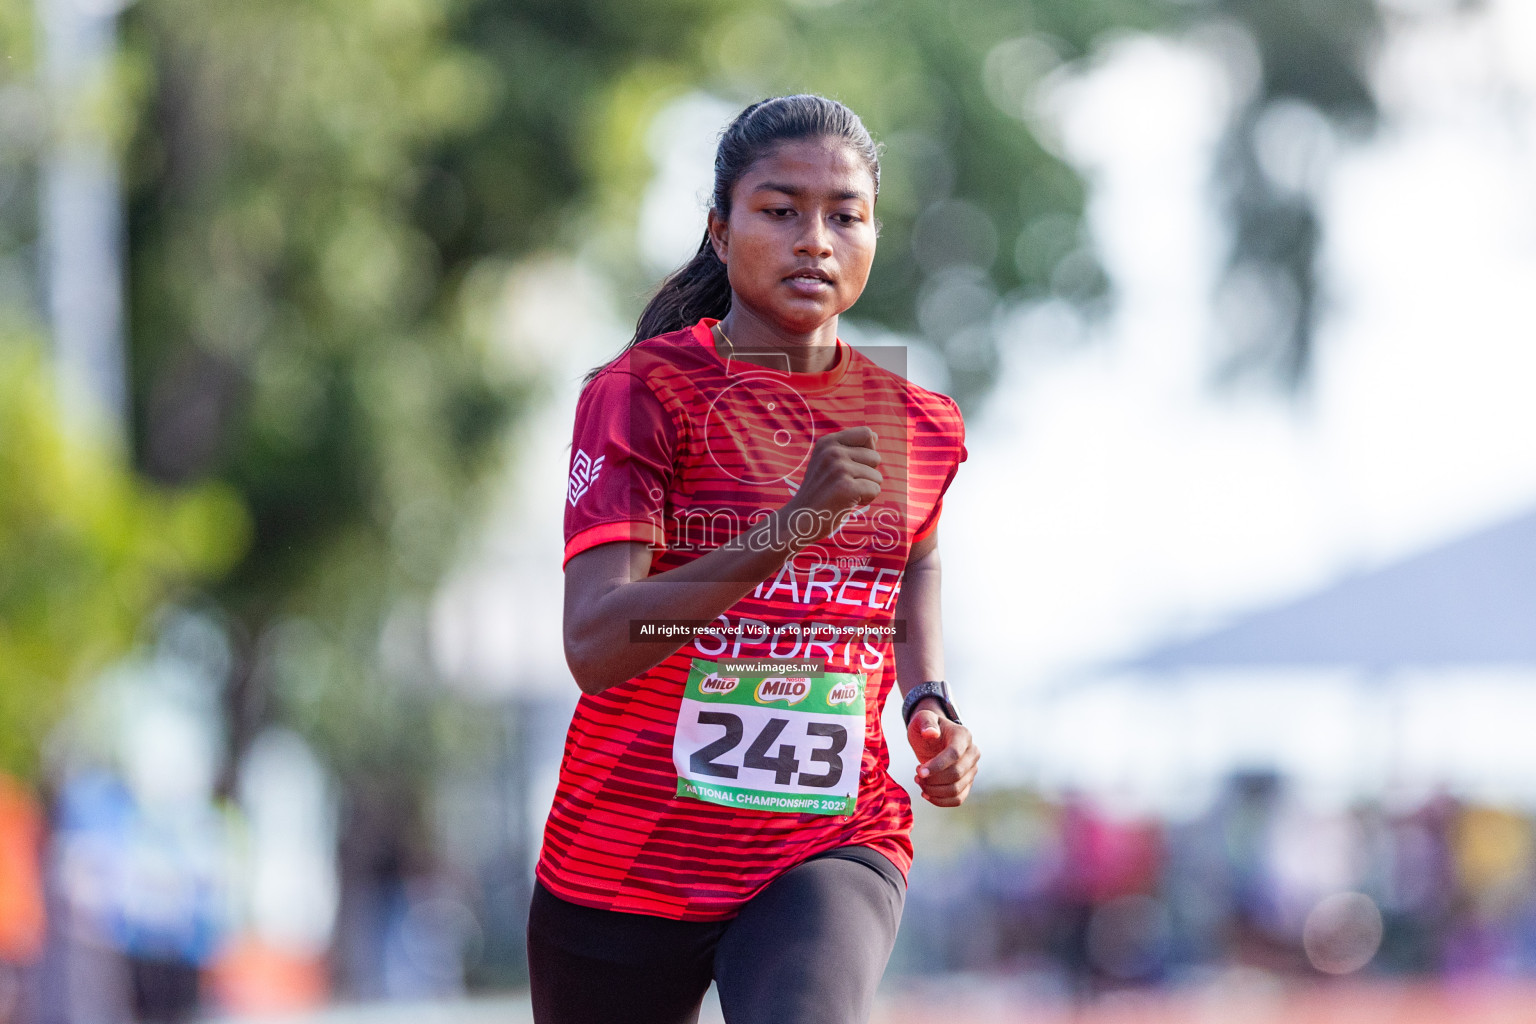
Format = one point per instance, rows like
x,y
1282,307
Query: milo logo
x,y
790,689
843,693
716,683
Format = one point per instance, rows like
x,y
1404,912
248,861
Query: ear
x,y
719,235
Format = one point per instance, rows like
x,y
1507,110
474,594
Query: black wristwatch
x,y
938,689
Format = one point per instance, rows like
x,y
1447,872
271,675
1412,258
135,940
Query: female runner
x,y
724,811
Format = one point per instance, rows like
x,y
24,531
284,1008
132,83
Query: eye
x,y
847,218
779,211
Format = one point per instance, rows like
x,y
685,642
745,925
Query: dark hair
x,y
700,288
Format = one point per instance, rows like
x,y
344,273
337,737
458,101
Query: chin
x,y
804,321
791,317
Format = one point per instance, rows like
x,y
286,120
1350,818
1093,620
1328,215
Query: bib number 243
x,y
769,741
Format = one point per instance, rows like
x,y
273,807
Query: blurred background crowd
x,y
1083,899
295,298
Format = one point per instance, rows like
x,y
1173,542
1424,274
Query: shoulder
x,y
675,352
660,365
939,407
929,411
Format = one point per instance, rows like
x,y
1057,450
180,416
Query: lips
x,y
810,277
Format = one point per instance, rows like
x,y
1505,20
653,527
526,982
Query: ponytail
x,y
701,288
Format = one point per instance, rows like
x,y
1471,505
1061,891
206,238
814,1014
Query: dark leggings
x,y
809,948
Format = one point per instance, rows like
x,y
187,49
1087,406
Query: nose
x,y
815,240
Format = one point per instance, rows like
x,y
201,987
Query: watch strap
x,y
938,689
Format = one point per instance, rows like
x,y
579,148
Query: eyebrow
x,y
796,190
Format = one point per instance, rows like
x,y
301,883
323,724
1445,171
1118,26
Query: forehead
x,y
814,165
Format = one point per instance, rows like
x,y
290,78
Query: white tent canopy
x,y
1468,604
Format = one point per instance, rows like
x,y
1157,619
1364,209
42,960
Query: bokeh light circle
x,y
1342,933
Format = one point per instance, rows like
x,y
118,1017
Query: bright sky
x,y
1113,499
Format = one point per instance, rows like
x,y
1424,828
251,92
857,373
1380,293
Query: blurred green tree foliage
x,y
88,550
88,553
295,333
1305,64
19,134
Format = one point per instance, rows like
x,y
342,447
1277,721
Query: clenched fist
x,y
946,756
842,474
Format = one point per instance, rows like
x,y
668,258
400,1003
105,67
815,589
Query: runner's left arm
x,y
946,754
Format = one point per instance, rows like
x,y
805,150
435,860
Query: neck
x,y
754,340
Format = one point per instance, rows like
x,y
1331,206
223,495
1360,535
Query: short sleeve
x,y
621,464
931,523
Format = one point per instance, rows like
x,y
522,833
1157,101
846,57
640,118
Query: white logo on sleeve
x,y
584,472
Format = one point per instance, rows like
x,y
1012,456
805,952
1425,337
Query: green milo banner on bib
x,y
759,684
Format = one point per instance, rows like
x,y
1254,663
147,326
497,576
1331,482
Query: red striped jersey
x,y
687,788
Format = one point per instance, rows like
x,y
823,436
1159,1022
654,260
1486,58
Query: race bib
x,y
765,736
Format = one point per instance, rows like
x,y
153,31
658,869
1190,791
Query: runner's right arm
x,y
607,586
